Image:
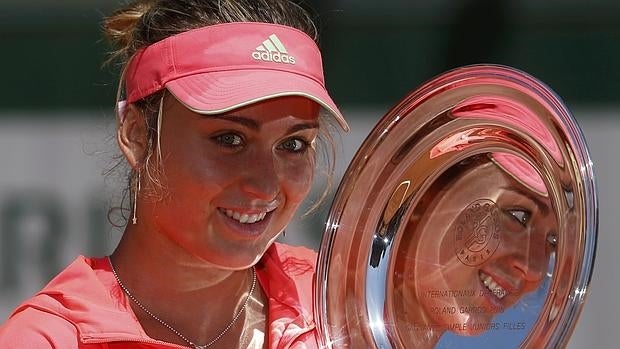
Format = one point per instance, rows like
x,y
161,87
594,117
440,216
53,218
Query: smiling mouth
x,y
245,218
492,285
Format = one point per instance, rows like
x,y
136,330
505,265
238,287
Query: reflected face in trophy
x,y
478,242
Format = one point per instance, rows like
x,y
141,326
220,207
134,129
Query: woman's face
x,y
233,181
481,244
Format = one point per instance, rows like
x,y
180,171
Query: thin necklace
x,y
191,344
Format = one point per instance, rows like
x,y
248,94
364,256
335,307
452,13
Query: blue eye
x,y
552,239
229,140
520,215
294,145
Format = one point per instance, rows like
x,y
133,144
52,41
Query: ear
x,y
132,135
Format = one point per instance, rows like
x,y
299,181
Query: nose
x,y
261,180
530,261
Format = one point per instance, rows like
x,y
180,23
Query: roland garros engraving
x,y
477,232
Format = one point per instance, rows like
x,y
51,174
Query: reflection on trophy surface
x,y
479,239
467,219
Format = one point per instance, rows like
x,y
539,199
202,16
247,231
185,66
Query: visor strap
x,y
160,115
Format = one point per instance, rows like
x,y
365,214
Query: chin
x,y
241,258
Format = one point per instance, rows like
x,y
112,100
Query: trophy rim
x,y
462,77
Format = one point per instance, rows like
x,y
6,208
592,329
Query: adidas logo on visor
x,y
272,50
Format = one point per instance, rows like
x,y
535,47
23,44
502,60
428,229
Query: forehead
x,y
289,107
483,179
272,109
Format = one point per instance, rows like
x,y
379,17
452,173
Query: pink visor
x,y
222,67
507,111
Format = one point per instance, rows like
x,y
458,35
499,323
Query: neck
x,y
196,298
158,259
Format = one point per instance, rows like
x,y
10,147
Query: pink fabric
x,y
514,114
509,112
84,308
521,171
221,67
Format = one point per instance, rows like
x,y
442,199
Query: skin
x,y
185,254
518,265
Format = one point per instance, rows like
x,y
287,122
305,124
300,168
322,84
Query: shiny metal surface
x,y
467,219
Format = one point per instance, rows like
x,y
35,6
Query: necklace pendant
x,y
200,346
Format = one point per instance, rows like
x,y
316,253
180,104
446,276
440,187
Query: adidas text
x,y
273,57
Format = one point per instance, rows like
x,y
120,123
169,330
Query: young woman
x,y
219,112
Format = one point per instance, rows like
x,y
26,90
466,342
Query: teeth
x,y
245,218
492,286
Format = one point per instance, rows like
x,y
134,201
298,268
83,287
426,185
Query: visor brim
x,y
220,92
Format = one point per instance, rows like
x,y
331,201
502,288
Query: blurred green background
x,y
375,51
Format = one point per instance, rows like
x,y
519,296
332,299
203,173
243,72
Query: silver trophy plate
x,y
467,219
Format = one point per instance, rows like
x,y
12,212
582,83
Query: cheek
x,y
296,177
537,245
195,177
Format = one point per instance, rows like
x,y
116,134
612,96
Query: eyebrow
x,y
303,126
247,122
541,205
254,125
